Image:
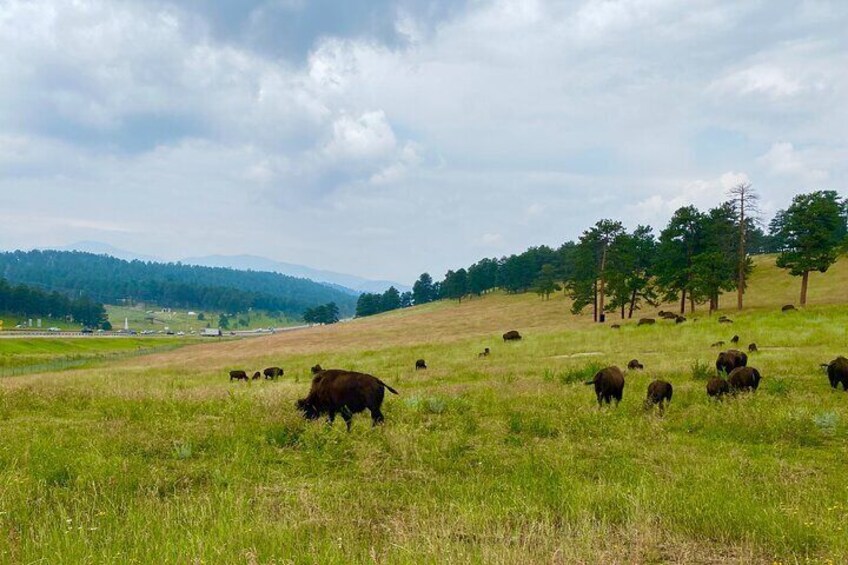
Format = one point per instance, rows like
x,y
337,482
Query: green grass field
x,y
498,460
153,318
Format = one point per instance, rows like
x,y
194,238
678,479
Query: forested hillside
x,y
106,279
21,300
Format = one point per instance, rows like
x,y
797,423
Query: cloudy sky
x,y
389,137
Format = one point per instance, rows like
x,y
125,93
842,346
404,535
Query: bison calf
x,y
635,364
837,372
646,322
752,348
743,379
659,393
717,387
484,353
729,360
511,335
609,385
420,364
344,392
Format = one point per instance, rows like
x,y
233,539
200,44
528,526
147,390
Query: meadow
x,y
179,321
499,460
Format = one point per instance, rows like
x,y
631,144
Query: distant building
x,y
211,332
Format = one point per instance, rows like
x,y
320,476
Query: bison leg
x,y
376,417
331,417
347,415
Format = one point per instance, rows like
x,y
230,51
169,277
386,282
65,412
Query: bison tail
x,y
390,389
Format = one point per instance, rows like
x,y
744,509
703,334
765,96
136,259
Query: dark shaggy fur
x,y
257,375
238,376
316,369
420,364
635,364
729,360
734,340
743,379
787,308
609,385
837,372
717,387
752,348
659,393
347,393
511,335
273,372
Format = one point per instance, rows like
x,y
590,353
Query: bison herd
x,y
336,391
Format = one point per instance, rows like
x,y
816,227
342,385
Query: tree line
x,y
370,303
323,314
694,260
173,285
26,302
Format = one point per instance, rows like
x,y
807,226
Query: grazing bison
x,y
752,348
273,372
635,364
725,320
344,392
420,364
744,378
787,308
718,344
729,360
615,326
316,369
679,319
257,375
646,322
717,387
837,372
484,353
659,393
734,340
511,335
667,315
238,376
609,384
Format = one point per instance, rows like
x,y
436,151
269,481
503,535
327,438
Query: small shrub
x,y
182,450
580,374
777,387
826,422
701,371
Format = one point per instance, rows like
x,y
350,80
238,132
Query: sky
x,y
391,137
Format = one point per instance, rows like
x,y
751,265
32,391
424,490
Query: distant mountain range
x,y
348,283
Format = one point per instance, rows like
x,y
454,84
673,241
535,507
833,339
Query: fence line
x,y
72,363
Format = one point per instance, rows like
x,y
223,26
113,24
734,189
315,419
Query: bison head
x,y
308,409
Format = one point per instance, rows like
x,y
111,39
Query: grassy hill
x,y
505,459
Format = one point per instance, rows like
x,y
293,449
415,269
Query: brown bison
x,y
646,322
609,385
238,376
718,344
717,387
787,308
752,348
615,326
484,353
659,393
744,378
729,360
725,320
667,315
316,369
837,372
635,364
734,340
257,375
420,364
273,372
344,392
512,335
679,319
